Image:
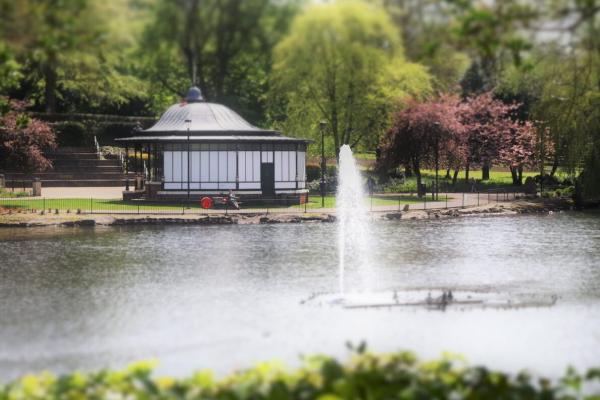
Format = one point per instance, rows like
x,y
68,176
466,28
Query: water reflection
x,y
226,297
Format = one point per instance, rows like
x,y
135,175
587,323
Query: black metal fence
x,y
374,203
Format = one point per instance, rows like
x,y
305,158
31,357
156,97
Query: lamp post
x,y
188,122
322,126
437,158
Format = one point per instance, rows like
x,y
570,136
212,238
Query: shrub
x,y
73,133
365,376
313,172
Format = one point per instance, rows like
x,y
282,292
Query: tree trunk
x,y
467,172
417,171
485,171
447,173
513,173
520,175
455,176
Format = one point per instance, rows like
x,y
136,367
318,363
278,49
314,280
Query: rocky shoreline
x,y
28,220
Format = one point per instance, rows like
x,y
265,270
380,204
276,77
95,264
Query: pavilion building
x,y
199,148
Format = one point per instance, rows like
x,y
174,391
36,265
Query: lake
x,y
227,297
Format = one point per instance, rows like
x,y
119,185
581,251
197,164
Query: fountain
x,y
354,250
353,223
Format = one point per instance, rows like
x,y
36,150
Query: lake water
x,y
227,297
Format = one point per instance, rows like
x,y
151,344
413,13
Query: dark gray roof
x,y
214,139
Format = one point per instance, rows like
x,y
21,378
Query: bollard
x,y
463,200
477,199
446,200
2,181
36,187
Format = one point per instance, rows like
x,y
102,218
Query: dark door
x,y
267,179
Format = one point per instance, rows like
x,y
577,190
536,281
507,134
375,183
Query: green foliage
x,y
10,69
341,63
70,53
365,376
224,46
72,133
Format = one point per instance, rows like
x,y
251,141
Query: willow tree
x,y
342,63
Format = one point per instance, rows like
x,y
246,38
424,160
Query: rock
x,y
394,215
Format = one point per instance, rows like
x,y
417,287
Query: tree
x,y
23,140
426,30
223,46
342,63
420,133
492,32
494,134
70,53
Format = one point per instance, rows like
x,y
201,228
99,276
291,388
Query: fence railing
x,y
374,203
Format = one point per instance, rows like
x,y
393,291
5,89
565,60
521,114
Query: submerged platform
x,y
434,299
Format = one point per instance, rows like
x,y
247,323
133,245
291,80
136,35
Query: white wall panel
x,y
177,166
249,157
277,166
242,166
302,165
249,185
256,166
195,166
204,162
222,166
292,166
168,166
171,185
184,166
285,185
267,156
231,166
227,185
285,165
209,185
214,166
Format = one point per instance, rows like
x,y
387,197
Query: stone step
x,y
44,176
70,149
72,156
85,162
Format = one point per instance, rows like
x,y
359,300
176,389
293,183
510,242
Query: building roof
x,y
212,139
203,118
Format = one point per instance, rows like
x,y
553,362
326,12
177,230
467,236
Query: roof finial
x,y
194,95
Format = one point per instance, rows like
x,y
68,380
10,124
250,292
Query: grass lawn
x,y
87,205
314,201
91,205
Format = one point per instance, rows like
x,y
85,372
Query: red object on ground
x,y
206,202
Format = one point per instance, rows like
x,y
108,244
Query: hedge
x,y
365,376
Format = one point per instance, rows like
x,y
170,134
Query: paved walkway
x,y
83,192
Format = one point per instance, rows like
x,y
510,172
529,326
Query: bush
x,y
313,172
365,376
73,134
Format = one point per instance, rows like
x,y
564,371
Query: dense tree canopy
x,y
342,63
290,64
